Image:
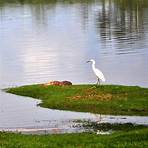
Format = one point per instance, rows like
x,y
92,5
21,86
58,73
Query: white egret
x,y
97,72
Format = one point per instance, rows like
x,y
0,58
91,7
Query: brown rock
x,y
55,83
66,83
58,83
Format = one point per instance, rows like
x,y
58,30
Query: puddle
x,y
99,132
21,114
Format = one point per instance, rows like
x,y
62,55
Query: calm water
x,y
53,40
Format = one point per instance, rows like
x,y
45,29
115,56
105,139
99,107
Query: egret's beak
x,y
87,61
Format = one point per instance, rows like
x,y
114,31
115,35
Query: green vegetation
x,y
116,127
105,99
136,138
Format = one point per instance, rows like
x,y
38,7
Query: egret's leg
x,y
98,81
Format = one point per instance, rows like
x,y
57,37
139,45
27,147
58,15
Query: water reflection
x,y
123,22
36,36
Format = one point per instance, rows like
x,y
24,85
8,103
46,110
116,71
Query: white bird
x,y
97,72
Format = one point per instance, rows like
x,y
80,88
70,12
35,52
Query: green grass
x,y
116,127
137,138
105,99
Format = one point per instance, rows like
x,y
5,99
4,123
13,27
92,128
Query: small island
x,y
101,99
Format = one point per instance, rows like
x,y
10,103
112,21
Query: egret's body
x,y
97,72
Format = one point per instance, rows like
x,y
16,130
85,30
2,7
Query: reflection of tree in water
x,y
84,13
103,21
121,19
41,15
45,1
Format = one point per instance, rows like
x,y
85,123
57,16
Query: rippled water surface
x,y
53,40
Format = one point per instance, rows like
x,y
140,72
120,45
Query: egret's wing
x,y
99,74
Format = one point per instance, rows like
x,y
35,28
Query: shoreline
x,y
103,99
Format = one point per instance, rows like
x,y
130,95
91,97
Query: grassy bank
x,y
105,99
132,139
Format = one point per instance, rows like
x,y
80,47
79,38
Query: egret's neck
x,y
93,65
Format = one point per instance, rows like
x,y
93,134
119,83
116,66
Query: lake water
x,y
47,41
53,41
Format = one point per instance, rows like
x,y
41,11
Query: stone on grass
x,y
58,83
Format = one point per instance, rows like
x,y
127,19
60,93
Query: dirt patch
x,y
94,94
